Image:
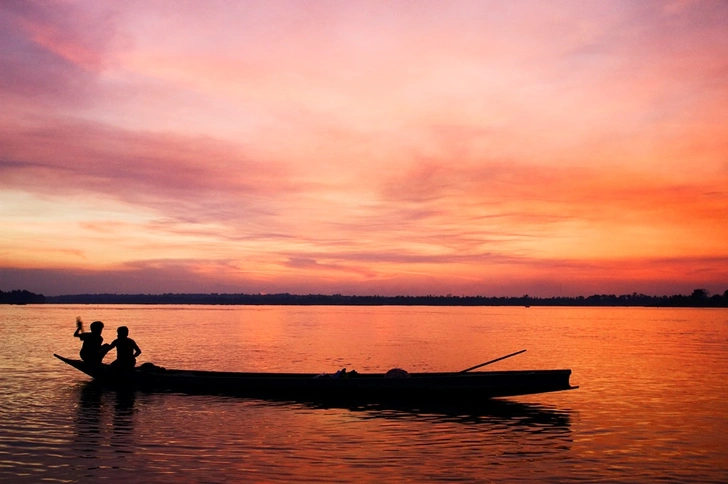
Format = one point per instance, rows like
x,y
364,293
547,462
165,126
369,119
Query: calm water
x,y
651,407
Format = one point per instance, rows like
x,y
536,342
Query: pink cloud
x,y
145,168
52,52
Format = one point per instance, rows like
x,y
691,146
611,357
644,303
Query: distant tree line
x,y
21,297
698,298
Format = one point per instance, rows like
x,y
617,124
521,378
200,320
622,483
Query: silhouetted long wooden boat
x,y
472,387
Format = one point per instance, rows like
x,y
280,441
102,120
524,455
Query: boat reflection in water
x,y
104,418
514,414
123,433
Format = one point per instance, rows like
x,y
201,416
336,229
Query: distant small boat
x,y
399,385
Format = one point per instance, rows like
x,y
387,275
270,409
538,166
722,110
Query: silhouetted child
x,y
126,350
92,351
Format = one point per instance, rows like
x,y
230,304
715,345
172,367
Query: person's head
x,y
122,331
96,327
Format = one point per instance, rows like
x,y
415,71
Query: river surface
x,y
651,406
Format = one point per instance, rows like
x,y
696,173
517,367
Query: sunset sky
x,y
481,147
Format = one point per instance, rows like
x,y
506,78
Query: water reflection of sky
x,y
650,406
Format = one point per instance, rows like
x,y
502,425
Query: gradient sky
x,y
364,147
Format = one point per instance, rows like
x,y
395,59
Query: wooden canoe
x,y
472,387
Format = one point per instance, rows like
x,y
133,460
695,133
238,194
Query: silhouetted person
x,y
92,351
126,350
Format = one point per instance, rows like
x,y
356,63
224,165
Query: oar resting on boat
x,y
456,387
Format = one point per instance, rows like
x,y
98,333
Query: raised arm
x,y
79,328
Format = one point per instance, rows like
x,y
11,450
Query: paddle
x,y
492,361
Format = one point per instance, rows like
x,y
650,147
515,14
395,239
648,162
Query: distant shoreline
x,y
699,298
